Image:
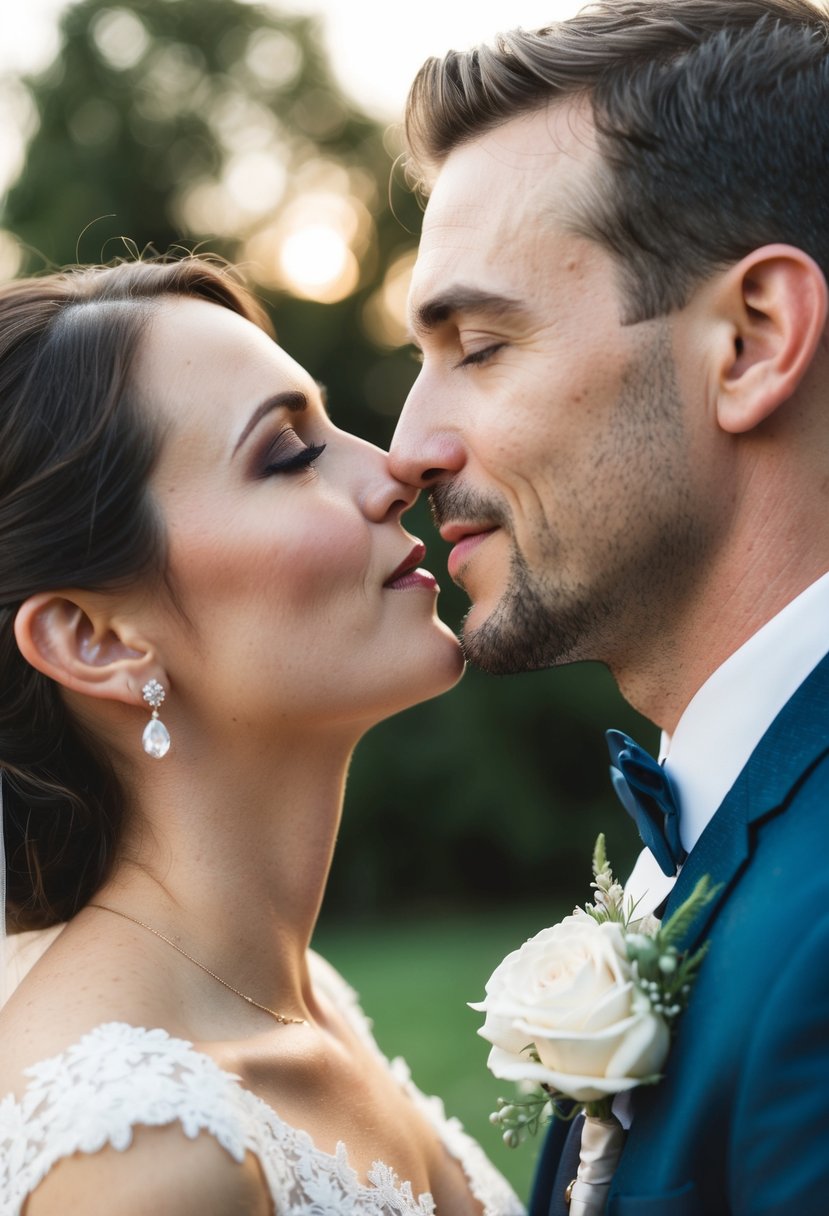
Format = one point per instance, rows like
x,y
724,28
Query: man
x,y
623,420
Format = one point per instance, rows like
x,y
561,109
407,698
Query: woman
x,y
206,598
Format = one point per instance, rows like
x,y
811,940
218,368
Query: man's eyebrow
x,y
292,400
435,312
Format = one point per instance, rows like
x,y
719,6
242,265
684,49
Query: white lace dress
x,y
118,1077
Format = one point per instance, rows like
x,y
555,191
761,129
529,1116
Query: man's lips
x,y
464,538
407,573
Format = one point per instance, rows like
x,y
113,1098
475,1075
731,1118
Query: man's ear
x,y
68,637
775,303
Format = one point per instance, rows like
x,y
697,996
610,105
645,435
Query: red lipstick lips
x,y
408,575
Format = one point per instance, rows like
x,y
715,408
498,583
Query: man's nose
x,y
424,449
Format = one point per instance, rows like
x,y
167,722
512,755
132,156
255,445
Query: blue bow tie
x,y
644,790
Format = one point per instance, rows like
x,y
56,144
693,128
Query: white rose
x,y
569,991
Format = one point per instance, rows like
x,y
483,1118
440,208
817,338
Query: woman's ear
x,y
775,304
71,640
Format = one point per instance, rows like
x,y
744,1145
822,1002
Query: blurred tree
x,y
218,122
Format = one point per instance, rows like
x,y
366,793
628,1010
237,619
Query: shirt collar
x,y
728,716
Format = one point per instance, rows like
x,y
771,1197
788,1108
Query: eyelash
x,y
478,357
302,459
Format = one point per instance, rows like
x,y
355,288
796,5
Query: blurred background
x,y
269,133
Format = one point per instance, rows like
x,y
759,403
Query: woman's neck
x,y
230,855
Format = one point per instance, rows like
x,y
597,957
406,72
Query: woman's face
x,y
282,555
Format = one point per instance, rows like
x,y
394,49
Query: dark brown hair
x,y
712,119
76,453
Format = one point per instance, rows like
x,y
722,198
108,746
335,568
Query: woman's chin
x,y
424,672
395,676
448,650
436,667
455,663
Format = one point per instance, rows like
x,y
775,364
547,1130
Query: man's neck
x,y
702,638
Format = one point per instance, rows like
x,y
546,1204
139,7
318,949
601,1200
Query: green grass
x,y
414,980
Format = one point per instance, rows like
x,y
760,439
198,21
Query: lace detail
x,y
486,1183
118,1077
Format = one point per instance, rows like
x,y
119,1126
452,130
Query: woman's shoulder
x,y
79,1094
57,993
22,950
100,1096
115,1076
165,1172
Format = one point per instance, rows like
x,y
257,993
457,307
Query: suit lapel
x,y
796,740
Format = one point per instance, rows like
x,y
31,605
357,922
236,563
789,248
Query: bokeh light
x,y
18,123
317,262
384,314
120,37
314,248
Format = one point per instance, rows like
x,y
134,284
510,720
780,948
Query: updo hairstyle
x,y
76,453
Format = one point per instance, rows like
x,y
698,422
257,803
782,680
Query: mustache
x,y
448,500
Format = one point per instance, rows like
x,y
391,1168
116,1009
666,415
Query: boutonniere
x,y
584,1011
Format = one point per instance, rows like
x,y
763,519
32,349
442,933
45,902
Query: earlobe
x,y
65,639
775,302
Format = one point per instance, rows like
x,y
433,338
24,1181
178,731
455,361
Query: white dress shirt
x,y
722,725
727,718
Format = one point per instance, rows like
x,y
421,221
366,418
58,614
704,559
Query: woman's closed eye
x,y
288,453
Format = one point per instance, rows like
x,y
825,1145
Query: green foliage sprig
x,y
663,973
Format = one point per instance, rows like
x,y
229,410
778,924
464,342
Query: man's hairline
x,y
574,219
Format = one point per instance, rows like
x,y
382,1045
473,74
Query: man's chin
x,y
479,616
493,649
519,634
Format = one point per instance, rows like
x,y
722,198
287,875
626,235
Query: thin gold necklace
x,y
282,1018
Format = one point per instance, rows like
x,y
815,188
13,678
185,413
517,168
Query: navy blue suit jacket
x,y
739,1124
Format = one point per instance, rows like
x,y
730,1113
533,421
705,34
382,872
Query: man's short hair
x,y
712,121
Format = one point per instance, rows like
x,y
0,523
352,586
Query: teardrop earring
x,y
156,737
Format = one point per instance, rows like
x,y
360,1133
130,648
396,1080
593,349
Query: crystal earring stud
x,y
156,737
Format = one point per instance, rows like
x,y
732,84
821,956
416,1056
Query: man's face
x,y
553,436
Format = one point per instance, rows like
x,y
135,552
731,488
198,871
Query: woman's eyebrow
x,y
292,400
